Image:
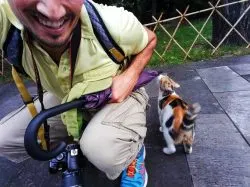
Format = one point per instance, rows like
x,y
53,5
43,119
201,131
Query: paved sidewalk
x,y
221,152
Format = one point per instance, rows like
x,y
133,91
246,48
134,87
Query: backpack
x,y
13,45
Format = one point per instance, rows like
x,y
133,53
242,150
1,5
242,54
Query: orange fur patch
x,y
178,113
170,99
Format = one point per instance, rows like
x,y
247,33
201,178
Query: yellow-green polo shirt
x,y
94,69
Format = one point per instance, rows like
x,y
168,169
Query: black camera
x,y
68,163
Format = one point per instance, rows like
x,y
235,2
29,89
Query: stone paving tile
x,y
152,88
236,105
180,74
218,131
247,77
167,170
223,79
35,173
92,177
211,167
8,170
220,155
242,69
12,100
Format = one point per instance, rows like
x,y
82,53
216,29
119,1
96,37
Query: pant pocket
x,y
129,115
141,96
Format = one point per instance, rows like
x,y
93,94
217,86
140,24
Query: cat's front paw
x,y
160,129
169,151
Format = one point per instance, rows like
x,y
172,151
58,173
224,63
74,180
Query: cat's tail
x,y
191,114
194,109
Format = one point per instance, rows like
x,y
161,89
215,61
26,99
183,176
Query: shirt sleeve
x,y
124,28
133,36
4,25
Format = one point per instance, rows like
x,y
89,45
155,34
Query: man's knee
x,y
98,150
109,153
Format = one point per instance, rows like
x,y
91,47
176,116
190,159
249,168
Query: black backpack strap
x,y
103,35
13,48
74,46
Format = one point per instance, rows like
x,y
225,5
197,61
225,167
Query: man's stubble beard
x,y
46,43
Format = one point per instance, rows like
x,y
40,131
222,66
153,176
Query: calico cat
x,y
177,118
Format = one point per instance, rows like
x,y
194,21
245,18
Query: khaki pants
x,y
111,140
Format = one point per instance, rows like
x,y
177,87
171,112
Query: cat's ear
x,y
173,83
160,77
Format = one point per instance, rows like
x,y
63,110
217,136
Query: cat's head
x,y
166,83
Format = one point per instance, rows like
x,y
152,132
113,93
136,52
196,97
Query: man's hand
x,y
124,83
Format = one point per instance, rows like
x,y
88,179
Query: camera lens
x,y
71,179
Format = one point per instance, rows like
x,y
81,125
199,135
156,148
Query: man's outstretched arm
x,y
124,83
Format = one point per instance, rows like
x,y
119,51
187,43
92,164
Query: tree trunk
x,y
232,13
154,7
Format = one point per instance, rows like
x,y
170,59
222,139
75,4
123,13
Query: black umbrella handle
x,y
30,138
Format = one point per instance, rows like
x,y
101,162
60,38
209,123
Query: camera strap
x,y
43,133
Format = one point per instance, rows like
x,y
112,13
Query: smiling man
x,y
50,22
113,138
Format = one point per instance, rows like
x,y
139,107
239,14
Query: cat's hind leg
x,y
170,149
188,148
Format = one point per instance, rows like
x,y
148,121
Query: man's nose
x,y
53,9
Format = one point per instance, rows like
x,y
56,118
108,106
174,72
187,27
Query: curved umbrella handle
x,y
30,138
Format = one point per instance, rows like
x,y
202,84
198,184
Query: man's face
x,y
50,21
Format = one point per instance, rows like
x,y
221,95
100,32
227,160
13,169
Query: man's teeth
x,y
52,24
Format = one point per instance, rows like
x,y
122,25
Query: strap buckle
x,y
26,102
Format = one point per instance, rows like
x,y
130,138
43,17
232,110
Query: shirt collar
x,y
86,26
11,16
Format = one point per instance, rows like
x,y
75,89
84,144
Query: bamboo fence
x,y
214,9
160,24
